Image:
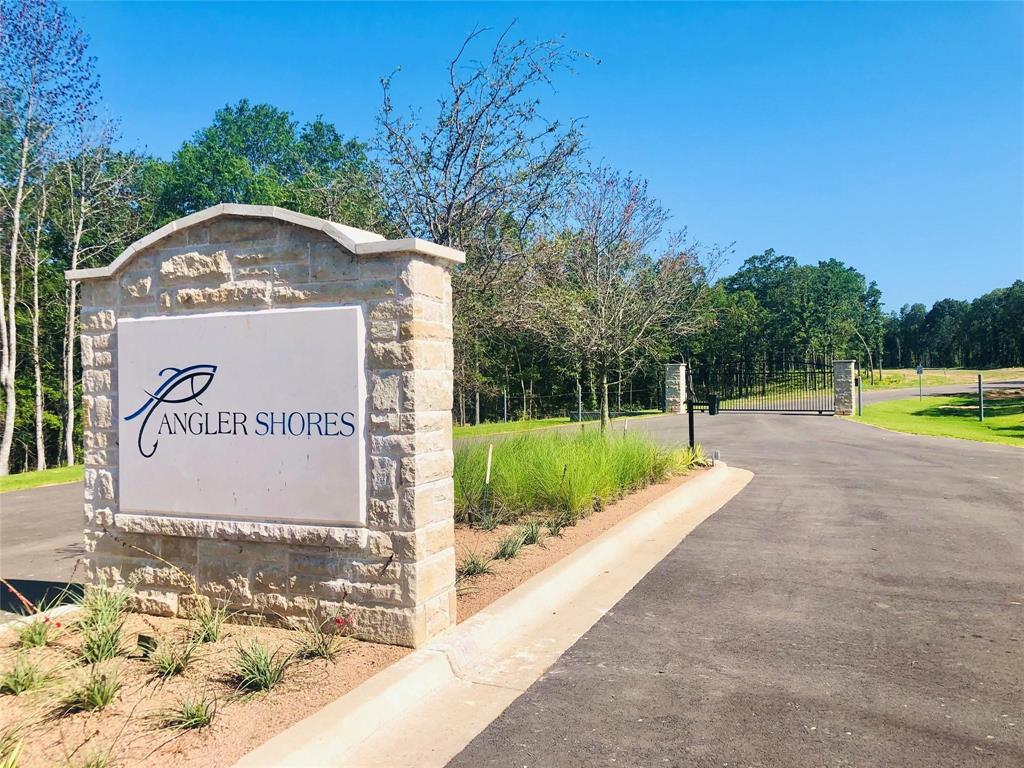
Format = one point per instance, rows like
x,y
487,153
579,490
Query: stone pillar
x,y
843,381
675,388
390,564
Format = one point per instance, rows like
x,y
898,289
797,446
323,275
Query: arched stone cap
x,y
357,241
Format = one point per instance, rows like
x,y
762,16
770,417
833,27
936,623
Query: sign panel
x,y
244,415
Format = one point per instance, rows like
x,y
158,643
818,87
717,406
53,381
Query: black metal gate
x,y
762,385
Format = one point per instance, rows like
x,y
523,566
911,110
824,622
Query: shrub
x,y
559,473
23,676
258,669
94,693
191,712
102,642
472,565
169,660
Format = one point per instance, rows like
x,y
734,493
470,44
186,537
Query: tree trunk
x,y
476,420
70,332
9,334
604,400
36,364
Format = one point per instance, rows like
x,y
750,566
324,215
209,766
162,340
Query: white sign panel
x,y
244,415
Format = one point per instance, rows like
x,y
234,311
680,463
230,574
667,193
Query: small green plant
x,y
170,660
208,622
94,692
96,759
324,637
509,546
10,748
532,532
38,631
102,642
258,669
103,606
191,712
472,565
557,523
24,676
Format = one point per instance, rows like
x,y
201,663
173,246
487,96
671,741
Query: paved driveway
x,y
858,604
41,532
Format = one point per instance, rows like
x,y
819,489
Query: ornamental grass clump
x,y
208,622
324,637
102,642
472,565
259,669
558,474
24,676
170,660
94,692
191,712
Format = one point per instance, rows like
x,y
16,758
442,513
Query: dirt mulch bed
x,y
131,727
476,593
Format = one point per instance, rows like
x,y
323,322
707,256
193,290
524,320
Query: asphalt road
x,y
858,604
41,532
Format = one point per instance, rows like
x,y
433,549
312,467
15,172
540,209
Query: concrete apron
x,y
423,710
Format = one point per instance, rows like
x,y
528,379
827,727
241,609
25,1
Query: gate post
x,y
843,375
675,388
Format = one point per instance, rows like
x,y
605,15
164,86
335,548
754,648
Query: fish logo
x,y
181,385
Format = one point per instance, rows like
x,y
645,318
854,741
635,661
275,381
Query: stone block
x,y
241,293
329,262
230,229
195,266
427,390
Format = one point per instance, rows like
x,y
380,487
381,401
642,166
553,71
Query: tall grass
x,y
561,474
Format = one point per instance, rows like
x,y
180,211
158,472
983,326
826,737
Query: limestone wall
x,y
396,574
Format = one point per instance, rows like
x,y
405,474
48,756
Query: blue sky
x,y
890,136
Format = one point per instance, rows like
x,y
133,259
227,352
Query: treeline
x,y
985,333
574,288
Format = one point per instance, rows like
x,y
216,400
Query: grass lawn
x,y
506,427
54,476
935,377
954,416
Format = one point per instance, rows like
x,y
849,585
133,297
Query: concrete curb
x,y
441,696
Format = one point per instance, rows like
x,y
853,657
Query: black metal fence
x,y
472,407
762,385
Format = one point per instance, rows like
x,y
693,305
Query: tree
x,y
100,210
482,176
257,154
603,297
47,85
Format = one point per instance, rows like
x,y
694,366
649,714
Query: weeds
x,y
170,660
509,546
24,676
191,712
557,523
258,669
94,693
472,565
